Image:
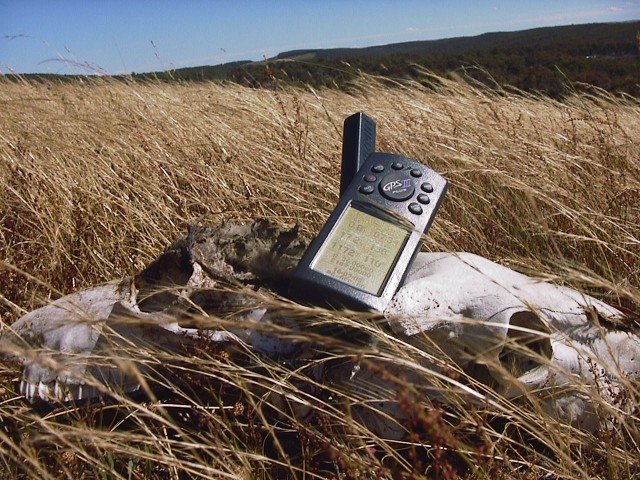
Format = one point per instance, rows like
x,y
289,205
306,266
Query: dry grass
x,y
96,178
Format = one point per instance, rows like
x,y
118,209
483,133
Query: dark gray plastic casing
x,y
310,286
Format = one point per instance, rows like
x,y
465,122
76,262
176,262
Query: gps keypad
x,y
399,185
404,188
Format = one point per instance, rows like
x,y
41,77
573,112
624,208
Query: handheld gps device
x,y
362,253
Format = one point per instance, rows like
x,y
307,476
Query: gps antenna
x,y
358,142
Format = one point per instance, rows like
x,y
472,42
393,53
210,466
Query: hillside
x,y
609,39
552,60
98,177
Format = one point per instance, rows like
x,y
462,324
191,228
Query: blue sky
x,y
124,36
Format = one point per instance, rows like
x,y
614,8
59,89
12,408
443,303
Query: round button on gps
x,y
397,166
416,172
426,187
423,199
397,186
415,208
366,189
370,178
377,168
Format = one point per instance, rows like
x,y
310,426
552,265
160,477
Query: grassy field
x,y
98,177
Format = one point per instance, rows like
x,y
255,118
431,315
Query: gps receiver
x,y
362,253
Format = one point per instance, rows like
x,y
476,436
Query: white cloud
x,y
412,29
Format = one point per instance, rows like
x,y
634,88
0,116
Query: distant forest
x,y
550,60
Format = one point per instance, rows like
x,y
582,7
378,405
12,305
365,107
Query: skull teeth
x,y
58,391
64,392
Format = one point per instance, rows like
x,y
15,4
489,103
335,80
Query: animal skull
x,y
518,335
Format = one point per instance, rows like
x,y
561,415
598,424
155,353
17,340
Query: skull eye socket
x,y
527,344
526,347
159,283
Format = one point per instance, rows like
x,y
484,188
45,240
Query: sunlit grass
x,y
98,177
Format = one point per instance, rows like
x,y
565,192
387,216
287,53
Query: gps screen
x,y
361,250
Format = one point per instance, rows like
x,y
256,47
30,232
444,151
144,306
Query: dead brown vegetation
x,y
97,177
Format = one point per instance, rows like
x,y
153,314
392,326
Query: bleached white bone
x,y
469,306
464,304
